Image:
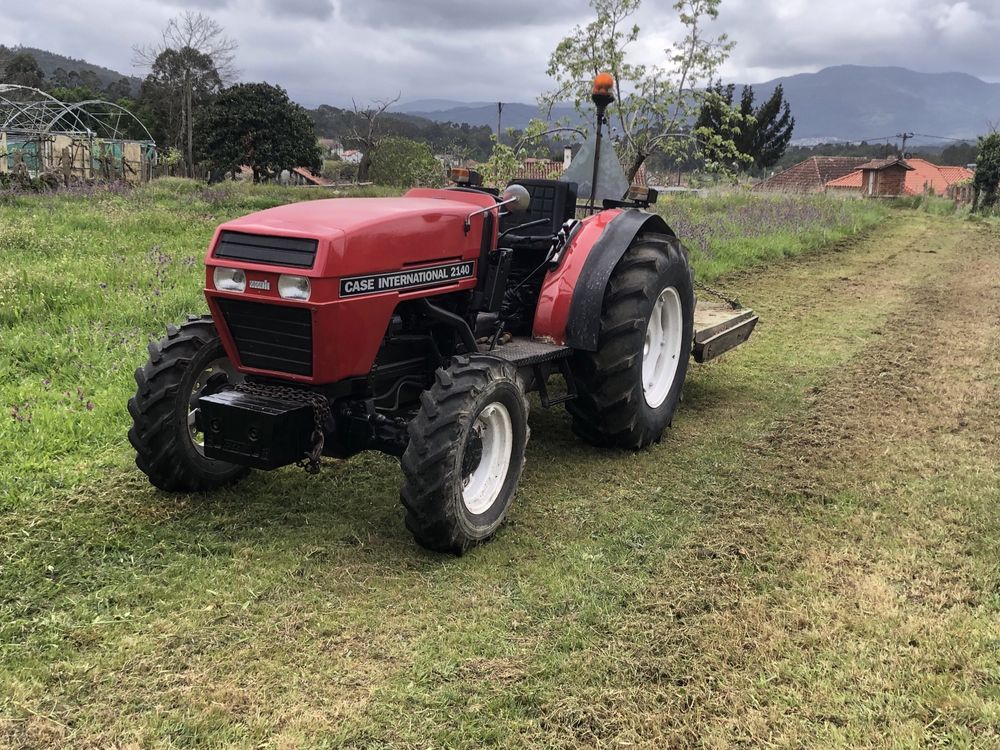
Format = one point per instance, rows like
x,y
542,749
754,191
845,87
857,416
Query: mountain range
x,y
840,103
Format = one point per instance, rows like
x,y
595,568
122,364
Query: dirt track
x,y
848,582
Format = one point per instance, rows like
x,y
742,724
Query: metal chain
x,y
733,302
321,410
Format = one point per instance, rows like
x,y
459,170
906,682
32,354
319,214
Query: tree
x,y
987,178
763,133
653,105
60,78
404,163
120,89
959,154
179,83
22,69
202,59
258,125
368,132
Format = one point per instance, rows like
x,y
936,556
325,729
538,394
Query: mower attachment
x,y
719,328
255,431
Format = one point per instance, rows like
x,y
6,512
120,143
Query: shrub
x,y
987,177
401,162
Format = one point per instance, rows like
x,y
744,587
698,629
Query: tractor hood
x,y
367,235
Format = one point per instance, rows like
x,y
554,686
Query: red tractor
x,y
417,326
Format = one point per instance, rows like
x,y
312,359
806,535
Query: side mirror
x,y
517,198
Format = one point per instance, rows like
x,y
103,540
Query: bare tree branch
x,y
367,131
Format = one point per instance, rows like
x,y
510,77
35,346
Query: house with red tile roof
x,y
545,169
811,175
921,177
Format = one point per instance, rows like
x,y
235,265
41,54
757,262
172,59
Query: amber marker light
x,y
604,83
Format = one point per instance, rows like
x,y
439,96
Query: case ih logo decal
x,y
398,281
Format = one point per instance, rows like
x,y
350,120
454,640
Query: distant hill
x,y
841,103
443,137
515,114
851,102
50,61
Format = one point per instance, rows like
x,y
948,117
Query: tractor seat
x,y
550,199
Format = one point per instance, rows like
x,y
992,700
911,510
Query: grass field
x,y
807,559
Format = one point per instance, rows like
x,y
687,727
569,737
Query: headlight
x,y
293,287
229,279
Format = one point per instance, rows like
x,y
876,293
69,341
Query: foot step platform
x,y
719,328
522,351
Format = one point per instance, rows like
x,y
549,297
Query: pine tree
x,y
763,138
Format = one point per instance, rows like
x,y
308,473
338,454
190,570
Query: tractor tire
x,y
465,455
188,363
628,389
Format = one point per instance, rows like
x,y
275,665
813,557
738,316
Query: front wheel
x,y
628,388
465,455
186,365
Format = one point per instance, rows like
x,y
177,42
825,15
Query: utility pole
x,y
499,115
905,136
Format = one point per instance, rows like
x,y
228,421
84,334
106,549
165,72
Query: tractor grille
x,y
274,251
270,337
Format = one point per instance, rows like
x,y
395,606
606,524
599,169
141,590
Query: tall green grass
x,y
87,280
729,231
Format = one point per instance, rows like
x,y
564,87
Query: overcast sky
x,y
472,50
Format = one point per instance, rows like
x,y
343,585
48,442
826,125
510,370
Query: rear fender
x,y
569,306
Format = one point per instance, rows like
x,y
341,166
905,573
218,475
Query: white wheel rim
x,y
482,487
223,365
661,352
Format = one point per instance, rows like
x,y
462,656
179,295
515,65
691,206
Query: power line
x,y
944,138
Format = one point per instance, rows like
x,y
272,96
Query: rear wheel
x,y
628,388
465,455
186,365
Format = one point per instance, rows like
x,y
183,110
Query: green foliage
x,y
761,133
462,140
171,157
403,163
339,170
27,183
959,154
67,72
76,79
654,104
987,176
502,165
258,125
179,84
22,69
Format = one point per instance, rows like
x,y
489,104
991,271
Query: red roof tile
x,y
543,169
877,164
812,174
923,175
539,169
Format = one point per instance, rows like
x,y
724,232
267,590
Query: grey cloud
x,y
199,4
319,10
929,35
451,17
328,51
